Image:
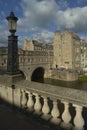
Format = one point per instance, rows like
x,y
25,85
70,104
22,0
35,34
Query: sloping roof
x,y
75,36
36,43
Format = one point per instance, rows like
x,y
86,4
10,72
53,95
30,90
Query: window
x,y
24,59
20,59
77,49
28,59
5,61
77,58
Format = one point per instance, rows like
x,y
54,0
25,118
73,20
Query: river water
x,y
75,84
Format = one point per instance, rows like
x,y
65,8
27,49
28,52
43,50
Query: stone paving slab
x,y
15,120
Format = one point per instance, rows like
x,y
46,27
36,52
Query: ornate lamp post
x,y
12,61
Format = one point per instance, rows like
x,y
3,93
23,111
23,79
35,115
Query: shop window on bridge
x,y
21,60
46,59
32,60
40,59
28,59
24,60
5,61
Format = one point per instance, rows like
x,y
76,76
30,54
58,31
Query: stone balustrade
x,y
58,105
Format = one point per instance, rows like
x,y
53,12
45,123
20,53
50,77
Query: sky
x,y
39,19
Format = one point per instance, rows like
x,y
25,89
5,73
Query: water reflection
x,y
76,84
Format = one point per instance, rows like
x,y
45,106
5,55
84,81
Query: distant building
x,y
36,45
83,55
3,57
67,51
32,53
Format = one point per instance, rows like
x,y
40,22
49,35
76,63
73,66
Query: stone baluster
x,y
30,102
23,99
37,106
78,119
46,109
55,113
66,117
0,91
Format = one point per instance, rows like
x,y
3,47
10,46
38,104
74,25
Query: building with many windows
x,y
67,50
36,45
35,54
83,53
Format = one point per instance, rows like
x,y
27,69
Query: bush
x,y
83,78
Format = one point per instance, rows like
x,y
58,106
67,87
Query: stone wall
x,y
28,45
65,75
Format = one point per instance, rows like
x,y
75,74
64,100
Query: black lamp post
x,y
13,60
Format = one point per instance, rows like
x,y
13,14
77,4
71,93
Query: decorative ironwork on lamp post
x,y
13,60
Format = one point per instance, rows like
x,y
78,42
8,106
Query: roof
x,y
75,36
36,43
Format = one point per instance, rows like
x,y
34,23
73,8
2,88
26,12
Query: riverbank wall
x,y
63,74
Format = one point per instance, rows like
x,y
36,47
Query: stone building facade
x,y
83,54
3,57
31,60
36,45
67,50
66,53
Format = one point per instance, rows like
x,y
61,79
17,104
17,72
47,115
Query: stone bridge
x,y
35,71
38,64
33,64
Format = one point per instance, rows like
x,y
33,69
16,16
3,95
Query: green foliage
x,y
83,78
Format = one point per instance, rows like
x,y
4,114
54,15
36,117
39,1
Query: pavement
x,y
15,120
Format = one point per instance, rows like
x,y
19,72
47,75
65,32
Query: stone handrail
x,y
28,95
70,95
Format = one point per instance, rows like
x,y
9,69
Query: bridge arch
x,y
37,74
23,74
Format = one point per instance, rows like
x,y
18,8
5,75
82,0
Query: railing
x,y
58,105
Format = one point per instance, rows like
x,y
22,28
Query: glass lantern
x,y
12,23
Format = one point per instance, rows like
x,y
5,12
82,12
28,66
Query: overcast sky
x,y
39,19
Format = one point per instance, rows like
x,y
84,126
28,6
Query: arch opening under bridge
x,y
38,74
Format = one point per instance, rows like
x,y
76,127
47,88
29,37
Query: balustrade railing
x,y
60,106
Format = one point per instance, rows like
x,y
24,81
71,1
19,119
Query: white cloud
x,y
3,33
44,36
39,17
75,19
3,38
39,14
